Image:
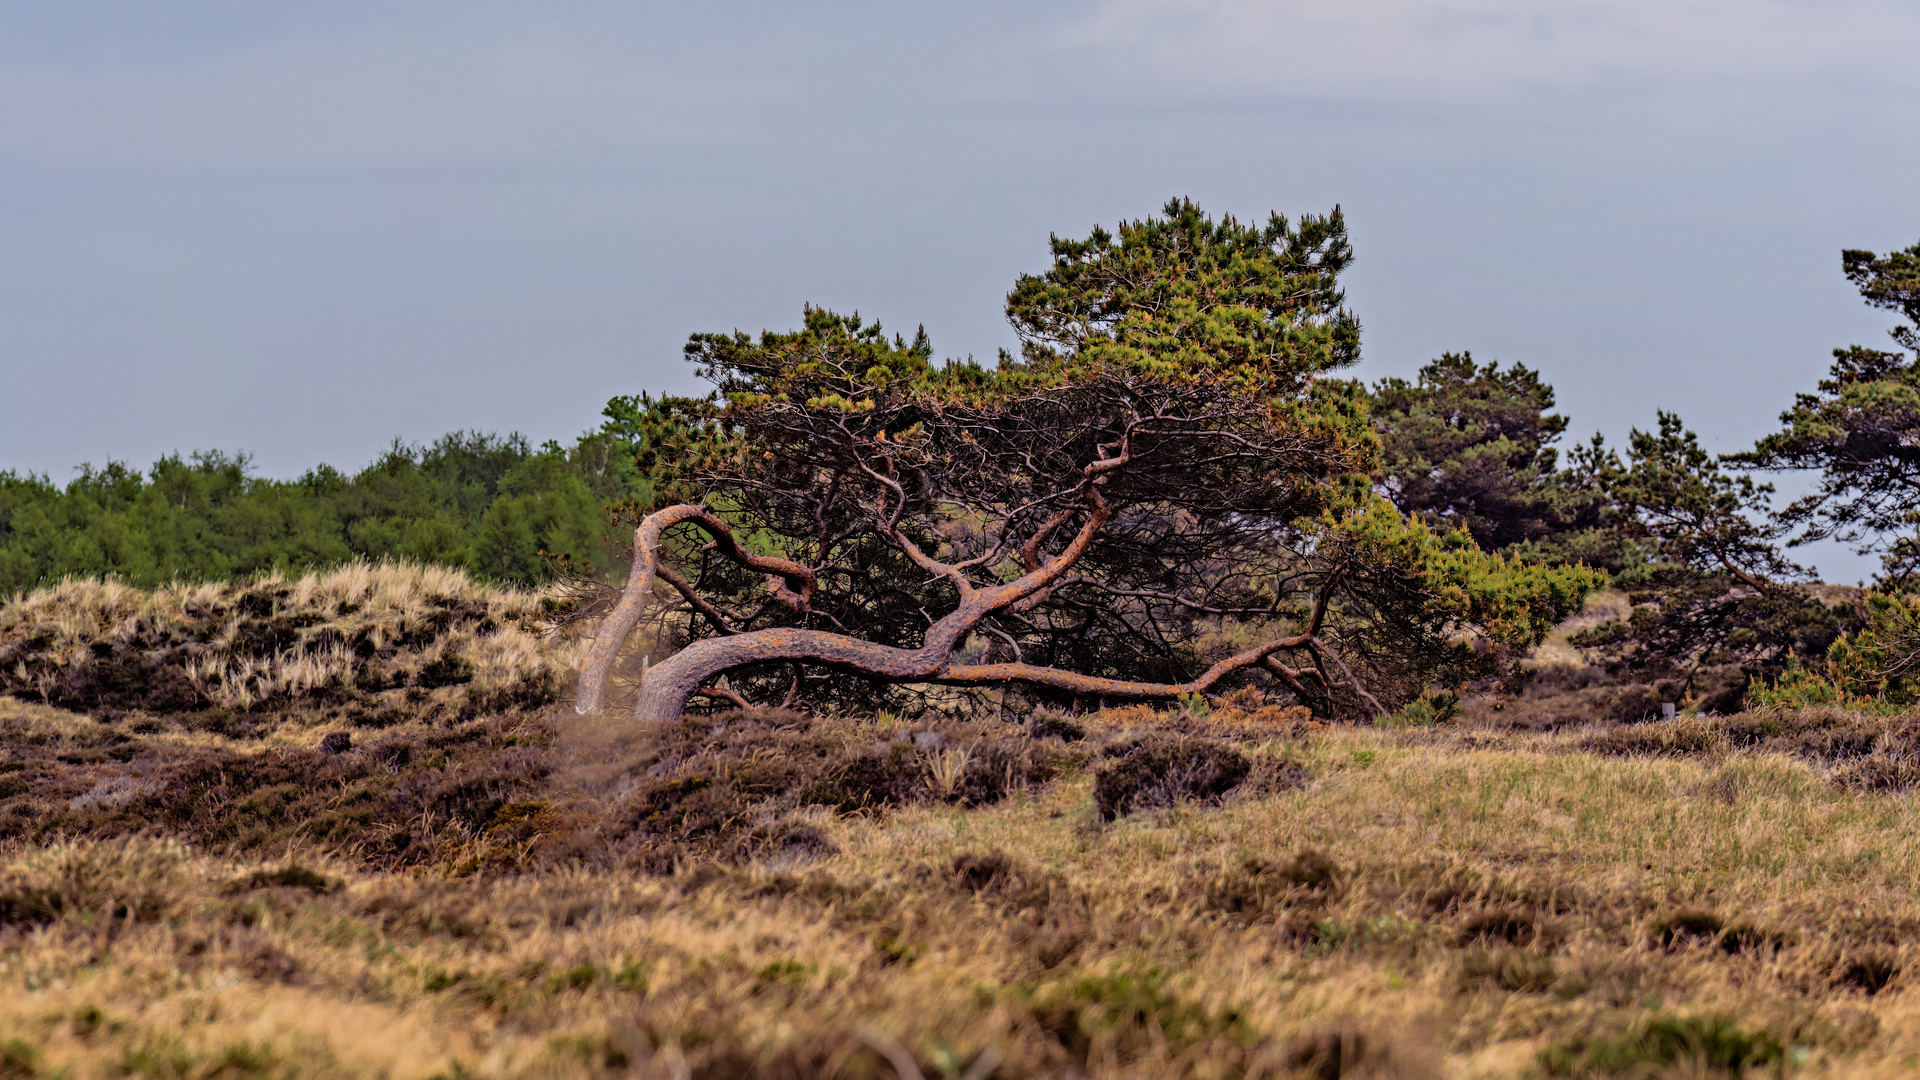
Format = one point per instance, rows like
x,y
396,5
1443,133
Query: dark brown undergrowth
x,y
505,791
736,786
1162,770
1866,752
1564,696
1561,696
398,798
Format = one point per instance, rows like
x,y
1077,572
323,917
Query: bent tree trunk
x,y
668,684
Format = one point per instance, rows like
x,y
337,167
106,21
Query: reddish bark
x,y
626,614
669,683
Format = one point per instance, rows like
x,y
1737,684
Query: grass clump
x,y
18,1060
1713,1045
356,643
1121,1014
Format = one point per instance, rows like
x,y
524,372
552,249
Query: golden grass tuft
x,y
354,641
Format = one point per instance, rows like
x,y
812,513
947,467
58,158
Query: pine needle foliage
x,y
1860,429
1169,449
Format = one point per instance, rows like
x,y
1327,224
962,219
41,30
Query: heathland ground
x,y
348,825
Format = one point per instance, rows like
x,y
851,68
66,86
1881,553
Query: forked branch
x,y
670,683
791,583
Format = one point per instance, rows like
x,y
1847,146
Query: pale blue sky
x,y
302,230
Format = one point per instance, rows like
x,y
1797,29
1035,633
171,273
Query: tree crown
x,y
1169,450
1861,428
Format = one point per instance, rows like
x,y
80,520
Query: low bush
x,y
1162,771
1714,1045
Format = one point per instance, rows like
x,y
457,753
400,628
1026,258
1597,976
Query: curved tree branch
x,y
672,681
890,528
669,683
619,623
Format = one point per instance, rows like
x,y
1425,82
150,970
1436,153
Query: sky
x,y
302,231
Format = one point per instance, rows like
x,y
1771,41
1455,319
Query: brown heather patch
x,y
507,890
1425,907
507,792
400,797
1855,750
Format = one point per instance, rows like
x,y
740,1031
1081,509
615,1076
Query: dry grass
x,y
361,645
1426,906
479,884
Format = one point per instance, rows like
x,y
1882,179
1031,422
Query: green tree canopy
x,y
1470,446
1167,472
1860,429
1716,603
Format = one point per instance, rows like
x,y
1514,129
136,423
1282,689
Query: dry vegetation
x,y
357,643
473,882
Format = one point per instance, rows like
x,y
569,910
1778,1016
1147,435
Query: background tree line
x,y
1716,603
1690,537
486,503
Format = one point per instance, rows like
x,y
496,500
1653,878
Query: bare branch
x,y
1006,637
694,600
890,527
1352,681
633,599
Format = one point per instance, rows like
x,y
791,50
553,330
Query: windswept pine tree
x,y
1165,494
1860,429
